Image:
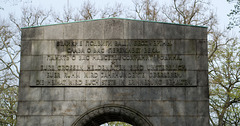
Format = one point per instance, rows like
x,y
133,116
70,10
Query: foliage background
x,y
223,47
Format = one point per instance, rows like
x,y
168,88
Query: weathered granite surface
x,y
156,72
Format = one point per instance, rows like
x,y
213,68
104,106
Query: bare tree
x,y
12,2
31,16
9,50
88,10
9,74
223,51
234,15
10,58
70,14
114,11
193,12
224,79
146,10
196,12
8,96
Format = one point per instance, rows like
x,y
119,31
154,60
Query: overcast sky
x,y
222,7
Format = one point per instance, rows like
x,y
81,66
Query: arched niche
x,y
108,113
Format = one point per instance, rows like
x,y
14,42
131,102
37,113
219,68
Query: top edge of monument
x,y
113,18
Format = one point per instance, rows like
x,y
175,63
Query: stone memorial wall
x,y
156,70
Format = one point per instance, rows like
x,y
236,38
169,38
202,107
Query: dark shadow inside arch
x,y
110,113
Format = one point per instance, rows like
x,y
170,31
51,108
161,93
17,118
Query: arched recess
x,y
108,113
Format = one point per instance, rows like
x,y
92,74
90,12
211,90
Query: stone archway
x,y
108,113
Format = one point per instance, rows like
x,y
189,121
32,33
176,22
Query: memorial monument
x,y
91,72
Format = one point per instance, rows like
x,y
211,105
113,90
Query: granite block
x,y
32,33
203,108
121,93
73,30
141,106
29,94
24,78
28,121
23,108
40,108
52,94
25,62
68,120
202,62
155,120
133,30
168,121
67,108
195,32
26,48
172,31
202,78
202,47
54,32
75,94
114,29
51,121
153,30
161,108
